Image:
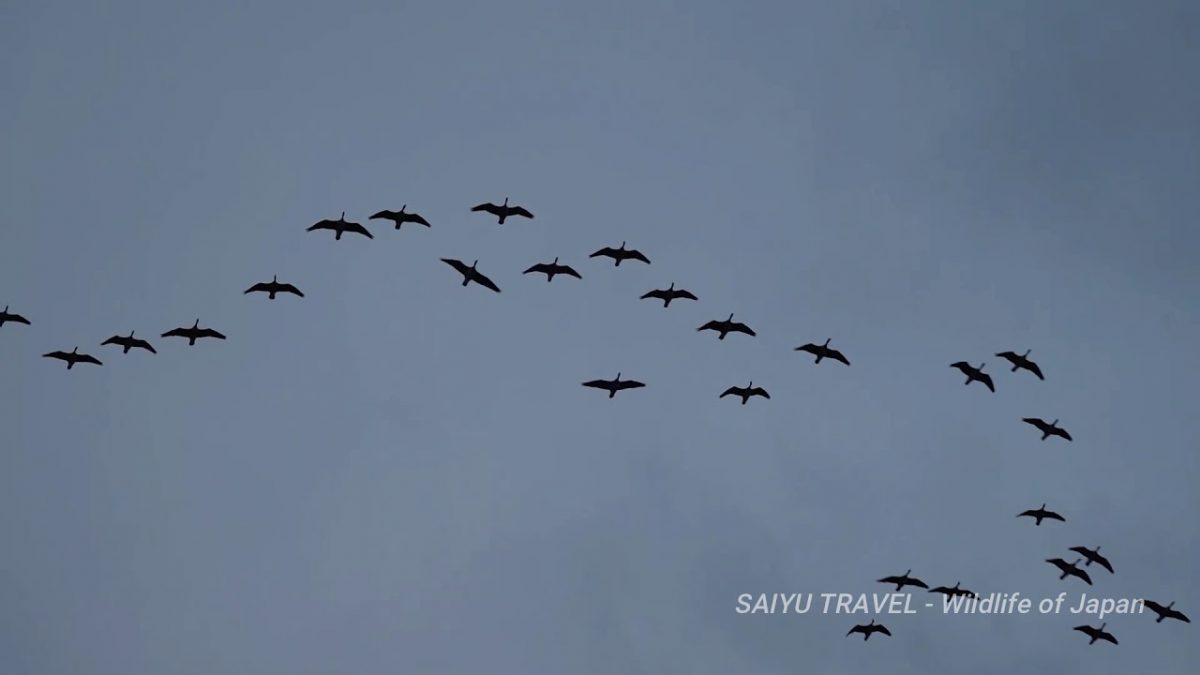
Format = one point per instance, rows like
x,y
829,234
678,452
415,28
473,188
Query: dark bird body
x,y
669,294
727,326
745,392
8,317
471,274
552,268
952,592
904,580
620,254
869,629
400,217
823,352
273,287
614,385
73,357
129,342
1069,569
1048,430
1096,633
1020,361
340,226
1093,556
974,374
502,212
1166,612
1039,514
195,332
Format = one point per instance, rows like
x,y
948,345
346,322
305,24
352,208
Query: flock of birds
x,y
723,328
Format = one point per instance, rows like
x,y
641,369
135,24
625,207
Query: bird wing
x,y
288,288
208,332
261,287
176,332
634,254
1035,421
661,295
1054,516
1063,433
687,295
358,228
838,356
961,365
760,391
987,381
741,328
737,391
892,580
912,581
144,345
519,211
458,265
17,318
1109,637
484,281
940,589
568,270
1154,606
1032,513
1033,368
384,214
1083,629
415,218
711,325
810,348
882,629
323,225
1103,562
1082,575
114,340
856,629
57,355
1011,356
540,267
488,207
87,358
599,384
606,251
629,384
1180,615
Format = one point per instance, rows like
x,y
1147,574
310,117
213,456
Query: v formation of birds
x,y
722,327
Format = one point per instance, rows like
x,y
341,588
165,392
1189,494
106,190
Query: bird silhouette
x,y
552,268
471,274
1093,556
1020,361
974,374
727,326
400,217
129,342
73,357
1039,514
272,287
340,226
195,332
502,212
7,317
823,352
1048,430
745,392
1096,633
669,294
1070,569
614,385
868,629
952,592
620,254
904,580
1166,612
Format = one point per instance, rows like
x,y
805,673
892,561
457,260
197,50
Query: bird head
x,y
6,309
474,264
1054,422
75,350
618,376
1171,605
1103,625
506,201
827,340
1026,353
343,218
555,260
622,246
907,572
130,333
730,317
197,324
403,207
981,365
274,278
672,286
1043,508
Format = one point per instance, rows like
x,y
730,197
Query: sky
x,y
399,474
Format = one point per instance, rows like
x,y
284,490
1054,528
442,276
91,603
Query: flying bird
x,y
1166,612
471,274
129,342
1093,556
669,294
340,226
974,374
503,211
400,217
951,592
620,254
869,629
1097,633
1020,361
73,357
1048,430
553,268
1069,569
613,386
194,333
727,326
7,317
823,352
745,392
1039,514
904,580
272,287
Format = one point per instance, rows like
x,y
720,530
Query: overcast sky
x,y
396,474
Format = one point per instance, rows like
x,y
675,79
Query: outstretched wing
x,y
15,318
259,287
384,215
838,356
485,282
358,229
711,325
1082,575
1035,421
741,328
415,218
759,391
661,295
114,340
629,384
880,628
288,288
1050,515
987,381
810,348
1063,433
144,345
1033,368
176,332
458,265
569,271
856,629
540,267
599,384
606,251
87,358
961,365
736,391
634,254
917,582
1103,562
1154,606
57,355
519,211
1032,513
686,295
208,332
488,207
323,225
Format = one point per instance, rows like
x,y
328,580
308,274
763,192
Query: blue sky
x,y
397,474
